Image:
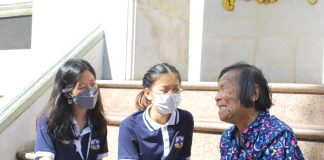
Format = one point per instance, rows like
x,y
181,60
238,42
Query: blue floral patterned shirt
x,y
266,138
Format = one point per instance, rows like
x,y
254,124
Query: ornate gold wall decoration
x,y
266,1
229,4
312,1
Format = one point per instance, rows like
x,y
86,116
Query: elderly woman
x,y
244,100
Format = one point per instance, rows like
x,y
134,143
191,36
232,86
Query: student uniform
x,y
79,150
141,138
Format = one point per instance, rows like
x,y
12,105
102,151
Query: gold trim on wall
x,y
312,1
266,1
229,5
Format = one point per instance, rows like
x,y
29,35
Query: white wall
x,y
59,25
284,39
116,18
161,35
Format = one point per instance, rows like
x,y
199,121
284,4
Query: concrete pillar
x,y
115,21
195,40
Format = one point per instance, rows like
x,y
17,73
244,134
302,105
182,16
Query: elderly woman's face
x,y
227,98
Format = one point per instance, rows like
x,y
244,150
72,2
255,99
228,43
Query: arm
x,y
284,146
44,148
186,151
103,151
127,144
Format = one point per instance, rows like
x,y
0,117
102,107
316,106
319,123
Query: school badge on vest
x,y
178,142
94,144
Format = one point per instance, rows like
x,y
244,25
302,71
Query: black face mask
x,y
87,99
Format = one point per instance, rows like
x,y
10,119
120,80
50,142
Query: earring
x,y
70,101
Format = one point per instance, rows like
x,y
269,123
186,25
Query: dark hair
x,y
149,77
248,78
59,111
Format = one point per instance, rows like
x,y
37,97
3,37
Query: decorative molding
x,y
12,110
292,88
16,9
305,134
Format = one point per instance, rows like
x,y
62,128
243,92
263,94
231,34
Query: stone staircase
x,y
301,106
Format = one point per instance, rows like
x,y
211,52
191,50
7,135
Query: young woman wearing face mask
x,y
159,130
73,126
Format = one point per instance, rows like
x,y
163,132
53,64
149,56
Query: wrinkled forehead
x,y
230,77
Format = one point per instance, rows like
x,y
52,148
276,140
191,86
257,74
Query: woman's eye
x,y
81,88
164,91
179,90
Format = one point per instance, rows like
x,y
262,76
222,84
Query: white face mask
x,y
166,103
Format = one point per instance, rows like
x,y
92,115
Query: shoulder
x,y
228,133
276,126
275,130
42,120
183,114
130,127
186,122
185,119
133,119
280,135
226,139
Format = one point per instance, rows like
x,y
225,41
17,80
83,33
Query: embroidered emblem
x,y
178,142
94,144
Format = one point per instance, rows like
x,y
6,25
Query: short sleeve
x,y
43,145
186,151
127,145
284,146
103,151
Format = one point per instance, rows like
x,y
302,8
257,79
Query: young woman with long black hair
x,y
73,126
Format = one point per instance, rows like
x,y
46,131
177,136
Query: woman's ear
x,y
148,94
256,93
